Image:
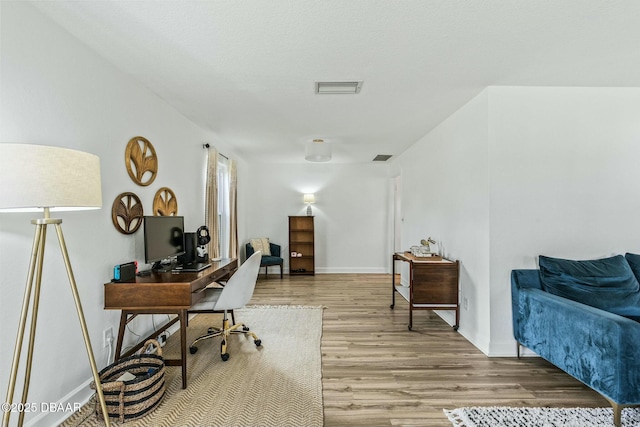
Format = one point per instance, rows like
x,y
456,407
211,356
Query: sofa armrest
x,y
594,346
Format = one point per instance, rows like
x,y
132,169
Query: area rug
x,y
540,417
278,384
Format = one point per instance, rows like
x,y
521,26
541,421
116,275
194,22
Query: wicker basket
x,y
130,400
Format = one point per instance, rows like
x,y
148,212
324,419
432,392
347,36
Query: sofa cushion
x,y
603,283
271,260
634,263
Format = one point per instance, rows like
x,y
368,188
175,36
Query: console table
x,y
433,284
163,293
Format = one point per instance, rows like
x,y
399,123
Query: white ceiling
x,y
245,69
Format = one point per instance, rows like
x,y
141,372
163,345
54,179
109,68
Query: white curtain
x,y
211,204
233,209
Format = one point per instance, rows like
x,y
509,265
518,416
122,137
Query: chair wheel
x,y
245,328
258,343
193,350
224,357
210,330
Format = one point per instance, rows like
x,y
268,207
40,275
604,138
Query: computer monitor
x,y
163,239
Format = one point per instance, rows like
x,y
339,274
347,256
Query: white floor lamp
x,y
37,178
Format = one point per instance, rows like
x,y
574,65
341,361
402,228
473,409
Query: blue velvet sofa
x,y
583,317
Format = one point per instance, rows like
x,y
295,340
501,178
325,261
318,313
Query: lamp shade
x,y
309,198
318,151
34,177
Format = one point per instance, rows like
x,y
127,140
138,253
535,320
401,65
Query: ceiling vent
x,y
338,87
382,157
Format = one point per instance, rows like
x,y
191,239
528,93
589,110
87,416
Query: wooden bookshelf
x,y
301,241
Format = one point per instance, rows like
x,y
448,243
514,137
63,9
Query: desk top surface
x,y
407,256
182,276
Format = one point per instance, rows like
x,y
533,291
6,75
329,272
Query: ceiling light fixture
x,y
318,151
338,87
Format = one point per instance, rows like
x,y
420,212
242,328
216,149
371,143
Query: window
x,y
224,217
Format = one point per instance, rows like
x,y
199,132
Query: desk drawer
x,y
198,286
132,296
213,276
435,284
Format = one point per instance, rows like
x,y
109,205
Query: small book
x,y
127,376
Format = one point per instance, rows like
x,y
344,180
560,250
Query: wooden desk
x,y
433,285
163,293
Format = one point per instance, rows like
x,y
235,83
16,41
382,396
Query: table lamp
x,y
308,199
37,178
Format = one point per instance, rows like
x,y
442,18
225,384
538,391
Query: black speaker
x,y
190,241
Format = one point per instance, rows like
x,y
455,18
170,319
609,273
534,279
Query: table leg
x,y
393,282
183,344
121,328
410,316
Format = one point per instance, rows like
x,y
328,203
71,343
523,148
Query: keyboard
x,y
191,268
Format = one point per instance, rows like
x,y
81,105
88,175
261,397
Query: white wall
x,y
445,196
564,181
522,172
351,211
55,91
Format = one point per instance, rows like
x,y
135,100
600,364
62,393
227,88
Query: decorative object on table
x,y
134,386
308,199
141,161
432,244
202,239
317,150
528,416
39,178
127,213
427,248
165,203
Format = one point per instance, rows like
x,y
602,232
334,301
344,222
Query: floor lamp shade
x,y
34,177
44,178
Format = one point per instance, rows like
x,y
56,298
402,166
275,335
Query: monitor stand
x,y
159,267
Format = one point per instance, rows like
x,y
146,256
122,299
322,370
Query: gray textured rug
x,y
540,417
278,384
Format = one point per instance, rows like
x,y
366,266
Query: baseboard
x,y
351,270
55,413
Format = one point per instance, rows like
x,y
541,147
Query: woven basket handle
x,y
148,344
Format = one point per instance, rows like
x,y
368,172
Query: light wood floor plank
x,y
378,373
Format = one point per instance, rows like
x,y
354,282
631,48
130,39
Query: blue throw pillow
x,y
634,263
602,283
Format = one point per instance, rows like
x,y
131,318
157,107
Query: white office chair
x,y
235,294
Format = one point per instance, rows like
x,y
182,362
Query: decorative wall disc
x,y
127,213
141,161
165,203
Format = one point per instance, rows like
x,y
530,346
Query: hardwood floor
x,y
378,373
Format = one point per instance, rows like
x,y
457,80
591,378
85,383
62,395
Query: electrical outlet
x,y
465,303
107,337
162,338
